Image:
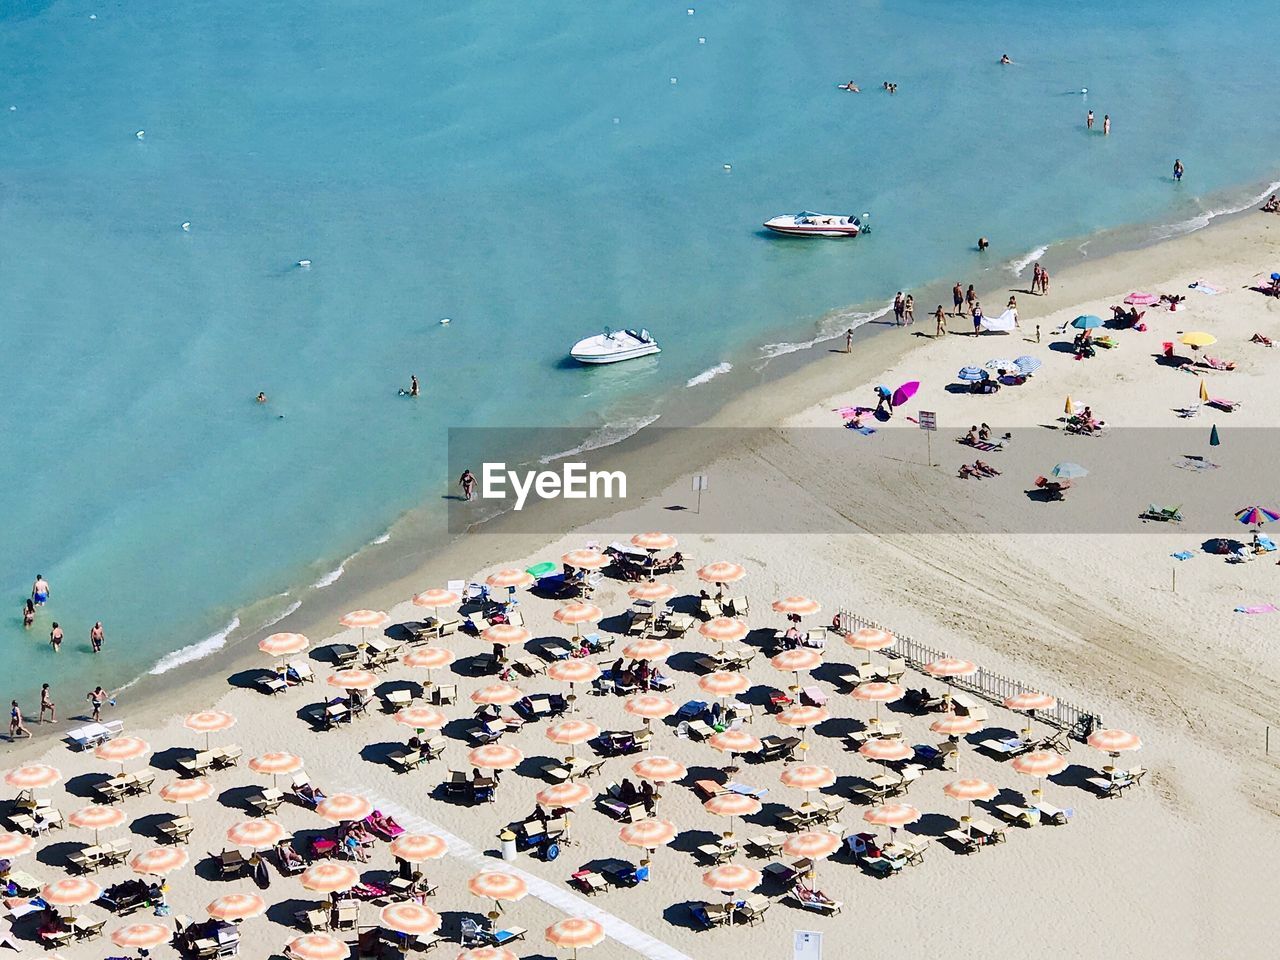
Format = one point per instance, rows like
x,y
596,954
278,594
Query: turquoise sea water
x,y
529,170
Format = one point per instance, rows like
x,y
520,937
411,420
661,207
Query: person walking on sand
x,y
977,317
1177,171
940,321
55,637
97,698
15,722
897,309
96,637
40,591
909,310
848,340
1035,278
47,705
957,297
1088,121
971,298
1044,280
1106,124
468,484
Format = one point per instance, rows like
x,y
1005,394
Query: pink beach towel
x,y
1259,608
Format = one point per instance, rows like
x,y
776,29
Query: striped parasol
x,y
797,606
1114,741
650,650
122,749
724,683
317,946
509,577
13,845
435,598
237,906
412,919
417,847
353,680
495,756
652,590
283,644
722,571
575,933
256,834
70,892
497,694
585,559
1256,516
329,876
429,658
344,808
659,769
651,706
654,541
159,860
34,776
141,936
506,635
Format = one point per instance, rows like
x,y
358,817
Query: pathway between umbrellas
x,y
562,899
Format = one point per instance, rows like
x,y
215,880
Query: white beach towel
x,y
1004,323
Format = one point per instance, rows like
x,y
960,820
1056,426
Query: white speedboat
x,y
809,224
613,346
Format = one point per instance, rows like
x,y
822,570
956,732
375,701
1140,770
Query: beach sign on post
x,y
928,423
700,483
808,945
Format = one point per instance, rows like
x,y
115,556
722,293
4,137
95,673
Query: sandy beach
x,y
1076,598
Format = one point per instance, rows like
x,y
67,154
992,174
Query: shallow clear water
x,y
528,170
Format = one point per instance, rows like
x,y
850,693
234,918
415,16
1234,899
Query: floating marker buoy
x,y
1084,89
673,81
186,225
689,11
141,134
13,108
304,264
617,119
728,167
445,320
702,39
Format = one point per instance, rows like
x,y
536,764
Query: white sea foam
x,y
833,328
288,611
333,576
195,651
381,539
710,374
1165,231
606,436
1017,266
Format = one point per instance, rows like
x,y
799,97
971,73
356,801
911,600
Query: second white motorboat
x,y
613,346
809,224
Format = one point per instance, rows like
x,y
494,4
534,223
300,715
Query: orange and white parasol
x,y
495,756
417,847
237,906
344,808
409,918
329,876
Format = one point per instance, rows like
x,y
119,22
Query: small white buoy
x,y
141,134
445,321
673,81
702,39
1084,89
689,11
186,225
617,119
728,167
93,16
13,108
304,264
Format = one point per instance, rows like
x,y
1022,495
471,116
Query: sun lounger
x,y
1019,816
777,748
1009,747
810,899
706,789
500,938
708,915
224,757
965,842
273,683
722,851
85,860
752,909
1163,514
767,844
710,609
988,833
265,801
610,802
405,760
734,787
394,700
1226,406
176,830
1057,816
197,765
589,882
92,734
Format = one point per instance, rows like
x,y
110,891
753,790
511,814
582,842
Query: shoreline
x,y
408,558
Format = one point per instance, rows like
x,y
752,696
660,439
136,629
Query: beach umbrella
x,y
648,834
565,795
653,541
283,644
575,933
1275,276
868,639
905,392
420,718
723,629
274,764
796,661
317,946
659,769
886,750
652,590
1141,299
802,717
257,834
1087,321
1069,471
1197,339
576,614
892,815
572,732
487,953
878,692
159,861
96,818
509,577
807,777
418,847
732,805
722,572
329,876
998,363
811,845
649,650
428,659
435,598
1214,439
497,694
650,706
969,791
585,559
70,892
208,722
971,374
506,635
353,680
495,756
365,620
1028,365
412,919
122,749
1029,702
237,906
14,845
1114,741
574,671
954,725
186,792
796,606
724,683
733,741
1255,516
732,878
497,886
141,936
344,808
34,776
1039,764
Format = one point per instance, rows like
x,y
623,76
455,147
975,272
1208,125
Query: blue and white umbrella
x,y
972,373
1028,365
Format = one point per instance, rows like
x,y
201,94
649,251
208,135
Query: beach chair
x,y
224,757
231,863
610,802
140,782
346,915
722,851
314,920
85,860
197,765
1009,747
709,915
1162,514
175,830
767,844
301,670
1059,740
753,908
1057,816
777,748
814,696
117,851
88,929
265,802
394,700
710,609
706,789
344,655
272,683
589,882
405,760
1019,816
964,842
808,898
500,938
109,791
444,693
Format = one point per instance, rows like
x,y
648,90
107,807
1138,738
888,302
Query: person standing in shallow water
x,y
40,591
1088,121
55,637
16,725
1106,124
468,484
1177,171
96,637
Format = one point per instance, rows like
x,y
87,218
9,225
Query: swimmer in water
x,y
1088,121
1004,59
850,86
413,387
262,397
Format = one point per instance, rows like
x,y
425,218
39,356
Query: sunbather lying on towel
x,y
1259,338
1219,364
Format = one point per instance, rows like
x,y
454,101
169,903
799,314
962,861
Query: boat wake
x,y
709,374
606,436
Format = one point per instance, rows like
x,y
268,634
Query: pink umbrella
x,y
1141,299
905,392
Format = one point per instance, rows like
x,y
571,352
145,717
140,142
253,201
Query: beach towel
x,y
1003,323
1259,608
1205,287
1194,463
865,431
1183,555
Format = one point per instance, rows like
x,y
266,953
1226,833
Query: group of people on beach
x,y
39,597
904,309
1039,280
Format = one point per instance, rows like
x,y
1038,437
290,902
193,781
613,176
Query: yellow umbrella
x,y
1199,339
1204,392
